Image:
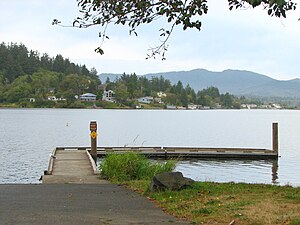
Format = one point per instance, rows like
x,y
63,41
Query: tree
x,y
16,60
59,64
46,62
43,81
184,13
212,92
121,92
107,81
94,73
20,88
226,100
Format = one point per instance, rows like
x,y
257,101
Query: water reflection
x,y
224,170
275,171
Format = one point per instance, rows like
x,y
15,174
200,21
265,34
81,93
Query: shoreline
x,y
141,109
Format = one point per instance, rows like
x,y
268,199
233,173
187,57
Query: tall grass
x,y
132,166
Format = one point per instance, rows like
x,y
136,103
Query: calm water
x,y
27,137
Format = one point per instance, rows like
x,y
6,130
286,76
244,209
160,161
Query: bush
x,y
132,166
107,105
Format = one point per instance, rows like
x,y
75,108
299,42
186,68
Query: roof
x,y
88,95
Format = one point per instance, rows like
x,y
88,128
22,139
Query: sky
x,y
239,39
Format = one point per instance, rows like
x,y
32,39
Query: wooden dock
x,y
184,152
71,166
77,164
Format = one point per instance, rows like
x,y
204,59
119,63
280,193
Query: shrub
x,y
132,166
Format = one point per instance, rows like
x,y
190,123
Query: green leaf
x,y
269,11
99,50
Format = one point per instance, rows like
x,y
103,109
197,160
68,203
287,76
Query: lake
x,y
28,136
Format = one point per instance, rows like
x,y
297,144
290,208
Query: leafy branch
x,y
184,13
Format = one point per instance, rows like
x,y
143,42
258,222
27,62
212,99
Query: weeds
x,y
132,166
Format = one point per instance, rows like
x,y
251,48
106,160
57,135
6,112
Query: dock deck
x,y
185,152
71,166
76,165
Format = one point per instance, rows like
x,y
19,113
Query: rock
x,y
170,180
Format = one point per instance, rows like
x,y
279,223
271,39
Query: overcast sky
x,y
239,39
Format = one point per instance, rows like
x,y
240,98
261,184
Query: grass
x,y
222,203
207,202
132,166
9,105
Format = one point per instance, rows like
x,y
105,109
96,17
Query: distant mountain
x,y
236,82
111,76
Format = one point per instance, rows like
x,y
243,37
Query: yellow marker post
x,y
93,129
93,135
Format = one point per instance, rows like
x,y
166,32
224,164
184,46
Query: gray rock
x,y
170,180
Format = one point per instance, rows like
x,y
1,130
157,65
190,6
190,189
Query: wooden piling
x,y
275,138
93,129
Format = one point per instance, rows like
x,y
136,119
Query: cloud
x,y
239,39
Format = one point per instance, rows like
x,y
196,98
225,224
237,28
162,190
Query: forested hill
x,y
16,60
27,74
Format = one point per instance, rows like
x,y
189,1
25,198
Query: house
x,y
170,107
205,107
161,94
32,100
192,106
53,98
146,100
158,100
218,106
109,96
276,106
88,97
249,106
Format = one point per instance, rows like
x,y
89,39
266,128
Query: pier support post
x,y
275,138
93,129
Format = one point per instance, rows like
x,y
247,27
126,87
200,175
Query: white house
x,y
32,100
109,96
161,94
249,106
276,106
171,107
158,100
192,106
88,97
52,98
146,100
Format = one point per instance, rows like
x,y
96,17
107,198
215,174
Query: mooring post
x,y
275,138
93,129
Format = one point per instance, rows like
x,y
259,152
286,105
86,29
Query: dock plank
x,y
193,152
72,166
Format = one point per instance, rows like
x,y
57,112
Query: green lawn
x,y
223,203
